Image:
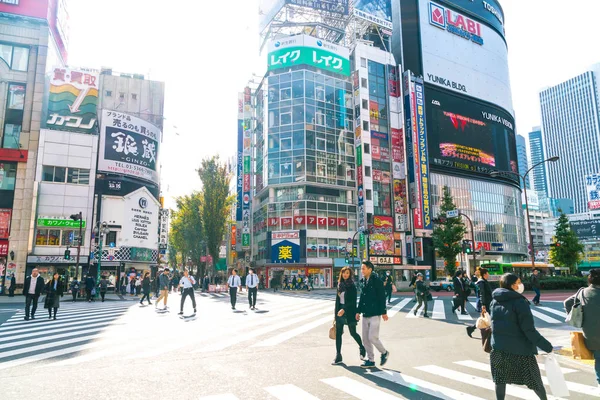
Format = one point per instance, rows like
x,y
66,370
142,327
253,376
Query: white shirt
x,y
33,284
187,283
234,281
252,281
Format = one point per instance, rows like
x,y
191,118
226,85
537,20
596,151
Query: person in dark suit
x,y
146,288
13,286
90,284
345,313
32,288
459,293
54,291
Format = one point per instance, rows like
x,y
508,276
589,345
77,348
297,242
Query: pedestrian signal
x,y
67,254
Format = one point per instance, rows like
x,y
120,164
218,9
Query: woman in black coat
x,y
146,288
515,339
345,313
54,291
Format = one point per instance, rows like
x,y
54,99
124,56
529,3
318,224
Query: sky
x,y
206,52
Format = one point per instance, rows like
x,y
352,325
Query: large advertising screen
x,y
586,229
468,135
378,12
463,55
129,146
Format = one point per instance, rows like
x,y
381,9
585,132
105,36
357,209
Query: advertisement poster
x,y
5,217
400,206
592,188
141,220
240,163
129,146
332,6
378,12
423,157
285,247
381,242
73,100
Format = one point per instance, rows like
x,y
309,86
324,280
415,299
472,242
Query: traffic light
x,y
67,254
467,247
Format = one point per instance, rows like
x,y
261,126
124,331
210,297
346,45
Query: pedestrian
x,y
146,288
422,294
206,283
54,291
138,286
32,288
124,283
90,284
515,339
103,286
372,306
413,284
132,286
163,284
187,281
74,287
474,279
252,285
233,283
175,282
274,284
535,285
590,299
485,295
13,286
388,283
345,313
459,293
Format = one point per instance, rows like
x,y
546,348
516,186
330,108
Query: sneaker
x,y
180,313
363,353
26,318
415,313
194,311
384,358
470,331
426,316
368,364
337,360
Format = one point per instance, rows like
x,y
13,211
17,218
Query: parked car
x,y
442,284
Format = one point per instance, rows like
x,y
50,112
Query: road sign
x,y
112,244
452,214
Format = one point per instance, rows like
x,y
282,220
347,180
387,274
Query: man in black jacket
x,y
459,293
372,306
90,284
32,289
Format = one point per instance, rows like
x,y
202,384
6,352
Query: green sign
x,y
362,240
319,58
221,265
359,155
139,254
246,164
245,240
59,223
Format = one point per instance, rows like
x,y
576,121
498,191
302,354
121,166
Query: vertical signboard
x,y
240,157
246,167
163,239
399,181
423,156
5,217
592,188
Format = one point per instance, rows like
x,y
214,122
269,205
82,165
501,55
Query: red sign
x,y
486,245
397,154
332,221
311,220
286,221
375,153
246,182
14,155
203,259
385,153
28,8
273,221
3,247
359,175
322,221
377,175
233,234
342,222
5,216
299,220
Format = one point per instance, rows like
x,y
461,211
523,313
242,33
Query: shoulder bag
x,y
486,340
575,316
332,331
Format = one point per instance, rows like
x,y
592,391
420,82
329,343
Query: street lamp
x,y
524,177
101,229
78,217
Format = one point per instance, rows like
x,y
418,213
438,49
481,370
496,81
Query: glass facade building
x,y
540,179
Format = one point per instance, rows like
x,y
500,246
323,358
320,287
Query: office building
x,y
536,151
523,160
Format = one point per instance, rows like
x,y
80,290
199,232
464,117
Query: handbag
x,y
93,291
486,340
575,316
580,350
556,378
332,331
484,321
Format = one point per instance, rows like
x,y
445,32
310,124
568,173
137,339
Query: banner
x,y
592,188
240,157
73,100
285,247
129,146
378,12
381,241
332,6
423,158
5,217
141,218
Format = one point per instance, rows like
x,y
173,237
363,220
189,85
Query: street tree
x,y
216,203
448,233
566,251
186,230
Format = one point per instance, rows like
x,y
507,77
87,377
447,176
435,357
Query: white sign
x,y
308,41
592,188
56,259
140,220
164,229
452,214
455,59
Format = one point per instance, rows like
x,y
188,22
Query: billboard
x,y
5,218
129,146
489,11
308,50
423,157
381,241
468,135
240,157
586,229
592,188
463,55
140,220
285,247
378,12
73,100
332,6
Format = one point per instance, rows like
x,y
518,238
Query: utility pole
x,y
78,217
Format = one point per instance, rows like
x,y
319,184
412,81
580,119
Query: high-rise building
x,y
536,149
523,159
571,130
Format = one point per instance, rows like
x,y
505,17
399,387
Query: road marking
x,y
357,389
51,354
79,321
464,317
574,387
18,320
553,311
394,310
47,338
429,388
287,392
478,381
544,317
438,310
282,337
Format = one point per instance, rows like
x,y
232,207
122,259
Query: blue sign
x,y
285,252
111,244
240,170
423,156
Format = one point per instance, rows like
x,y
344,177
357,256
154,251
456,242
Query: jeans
x,y
339,331
597,358
252,296
233,296
422,300
536,299
188,292
29,299
370,331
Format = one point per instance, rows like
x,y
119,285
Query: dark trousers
x,y
29,299
89,294
11,291
188,292
388,293
233,296
422,300
74,294
339,331
102,294
536,299
50,312
252,296
146,296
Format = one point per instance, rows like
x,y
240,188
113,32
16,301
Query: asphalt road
x,y
281,351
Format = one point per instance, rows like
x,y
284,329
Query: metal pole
x,y
473,240
529,225
101,232
78,246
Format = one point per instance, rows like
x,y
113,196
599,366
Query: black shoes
x,y
194,311
363,353
368,364
464,313
180,313
54,317
426,316
337,360
415,313
384,358
26,318
470,330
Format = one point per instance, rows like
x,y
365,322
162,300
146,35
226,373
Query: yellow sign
x,y
285,252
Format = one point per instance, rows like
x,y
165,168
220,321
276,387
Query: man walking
x,y
32,289
103,287
535,285
372,306
187,282
233,283
422,294
388,284
252,285
89,286
163,284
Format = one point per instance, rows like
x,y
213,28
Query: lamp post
x,y
78,217
524,178
101,230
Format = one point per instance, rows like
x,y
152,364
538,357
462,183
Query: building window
x,y
363,62
15,57
367,148
12,135
133,96
78,176
121,96
369,194
16,97
363,82
367,171
108,93
58,237
111,237
8,175
366,126
365,104
54,174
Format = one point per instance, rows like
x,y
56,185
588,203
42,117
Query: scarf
x,y
345,284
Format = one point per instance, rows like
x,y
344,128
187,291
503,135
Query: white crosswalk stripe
x,y
553,311
357,389
285,392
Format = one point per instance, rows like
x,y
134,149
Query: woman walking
x,y
146,288
103,286
54,291
515,340
485,296
590,298
345,313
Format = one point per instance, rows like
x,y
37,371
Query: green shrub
x,y
561,283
